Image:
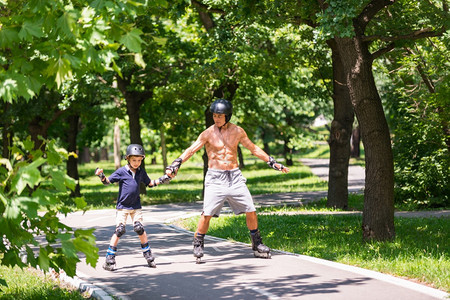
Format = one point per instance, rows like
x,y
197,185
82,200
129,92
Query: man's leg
x,y
259,249
199,237
203,225
252,220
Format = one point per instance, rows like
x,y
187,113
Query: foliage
x,y
49,42
418,106
422,161
30,182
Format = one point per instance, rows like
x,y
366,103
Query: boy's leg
x,y
137,218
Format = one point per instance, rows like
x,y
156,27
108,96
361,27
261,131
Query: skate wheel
x,y
152,264
109,267
198,260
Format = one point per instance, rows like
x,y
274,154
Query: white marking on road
x,y
262,292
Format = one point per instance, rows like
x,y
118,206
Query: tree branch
x,y
382,51
369,12
415,35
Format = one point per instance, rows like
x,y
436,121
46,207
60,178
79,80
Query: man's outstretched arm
x,y
172,170
259,153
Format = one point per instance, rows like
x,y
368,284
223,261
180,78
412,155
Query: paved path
x,y
229,270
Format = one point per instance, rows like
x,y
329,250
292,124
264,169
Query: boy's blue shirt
x,y
129,197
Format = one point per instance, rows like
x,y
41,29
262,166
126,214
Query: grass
x,y
32,284
420,251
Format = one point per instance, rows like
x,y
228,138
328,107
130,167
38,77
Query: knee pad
x,y
120,230
138,228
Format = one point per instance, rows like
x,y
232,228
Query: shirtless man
x,y
224,180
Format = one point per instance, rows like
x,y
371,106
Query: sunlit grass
x,y
32,284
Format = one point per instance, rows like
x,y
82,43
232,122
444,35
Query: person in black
x,y
129,202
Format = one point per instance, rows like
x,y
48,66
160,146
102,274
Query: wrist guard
x,y
164,179
101,175
173,168
272,163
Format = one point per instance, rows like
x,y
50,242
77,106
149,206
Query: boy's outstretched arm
x,y
101,175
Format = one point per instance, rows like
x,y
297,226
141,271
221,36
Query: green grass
x,y
420,251
32,284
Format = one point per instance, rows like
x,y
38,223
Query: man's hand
x,y
172,170
277,166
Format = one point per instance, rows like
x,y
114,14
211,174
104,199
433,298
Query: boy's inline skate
x,y
259,249
150,259
110,262
199,244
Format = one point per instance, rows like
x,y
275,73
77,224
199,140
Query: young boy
x,y
129,202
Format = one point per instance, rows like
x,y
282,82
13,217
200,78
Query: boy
x,y
129,202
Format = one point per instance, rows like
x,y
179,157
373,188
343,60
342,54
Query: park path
x,y
229,270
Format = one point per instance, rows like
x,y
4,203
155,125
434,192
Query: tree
x,y
32,179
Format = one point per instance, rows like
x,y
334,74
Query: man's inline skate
x,y
150,259
259,249
199,244
110,262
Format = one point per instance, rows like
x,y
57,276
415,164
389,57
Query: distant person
x,y
224,179
129,202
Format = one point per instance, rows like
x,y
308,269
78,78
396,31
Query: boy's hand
x,y
100,174
164,179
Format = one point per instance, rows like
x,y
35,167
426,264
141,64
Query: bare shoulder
x,y
238,130
207,133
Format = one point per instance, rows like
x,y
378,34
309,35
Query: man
x,y
224,180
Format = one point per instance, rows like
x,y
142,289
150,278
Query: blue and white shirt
x,y
129,197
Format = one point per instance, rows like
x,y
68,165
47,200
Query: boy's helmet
x,y
222,106
135,149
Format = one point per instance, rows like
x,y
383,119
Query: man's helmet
x,y
222,106
135,149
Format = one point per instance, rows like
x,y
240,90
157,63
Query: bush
x,y
421,158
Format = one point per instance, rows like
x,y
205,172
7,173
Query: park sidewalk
x,y
229,270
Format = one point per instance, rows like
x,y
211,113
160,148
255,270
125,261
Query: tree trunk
x,y
355,141
162,133
7,134
241,158
208,122
340,133
287,153
378,213
117,157
72,162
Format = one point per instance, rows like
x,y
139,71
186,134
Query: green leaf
x,y
80,202
139,60
30,30
132,40
85,242
58,180
67,246
8,38
44,261
27,175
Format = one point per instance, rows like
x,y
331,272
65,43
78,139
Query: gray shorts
x,y
221,185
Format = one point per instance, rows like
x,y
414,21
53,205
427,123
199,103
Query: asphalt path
x,y
228,271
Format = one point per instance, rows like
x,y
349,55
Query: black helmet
x,y
135,149
222,106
